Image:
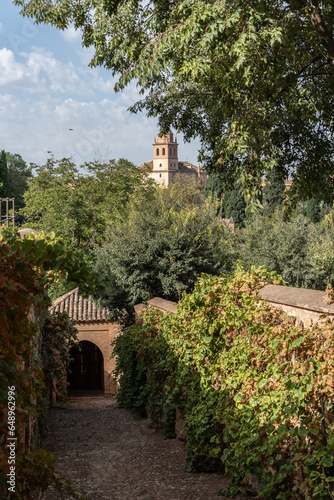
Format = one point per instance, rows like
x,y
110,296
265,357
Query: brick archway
x,y
101,334
94,327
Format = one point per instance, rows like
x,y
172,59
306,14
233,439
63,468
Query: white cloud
x,y
41,72
41,98
31,127
10,70
71,34
85,55
60,77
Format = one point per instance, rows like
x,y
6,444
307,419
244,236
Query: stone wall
x,y
307,306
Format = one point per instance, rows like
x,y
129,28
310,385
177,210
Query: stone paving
x,y
110,456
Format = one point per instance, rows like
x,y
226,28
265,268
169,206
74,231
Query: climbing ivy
x,y
58,335
26,267
255,389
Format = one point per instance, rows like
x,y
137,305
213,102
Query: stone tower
x,y
165,165
165,159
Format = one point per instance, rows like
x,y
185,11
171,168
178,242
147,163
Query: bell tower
x,y
166,166
165,153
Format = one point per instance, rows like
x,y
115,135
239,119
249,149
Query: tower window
x,y
160,165
157,151
174,151
170,151
163,151
160,175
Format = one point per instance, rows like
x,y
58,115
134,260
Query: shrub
x,y
255,389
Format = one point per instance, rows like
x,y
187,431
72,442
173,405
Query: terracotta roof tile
x,y
78,308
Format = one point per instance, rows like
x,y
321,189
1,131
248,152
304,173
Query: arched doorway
x,y
86,370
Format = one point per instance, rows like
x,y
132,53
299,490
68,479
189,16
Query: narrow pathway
x,y
109,456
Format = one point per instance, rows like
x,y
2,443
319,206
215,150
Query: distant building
x,y
228,222
166,165
287,183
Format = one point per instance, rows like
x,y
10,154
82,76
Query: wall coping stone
x,y
302,298
296,297
139,308
162,304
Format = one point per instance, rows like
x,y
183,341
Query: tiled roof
x,y
147,164
78,308
183,166
186,166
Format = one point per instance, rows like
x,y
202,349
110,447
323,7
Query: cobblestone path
x,y
109,456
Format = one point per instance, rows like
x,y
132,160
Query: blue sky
x,y
46,88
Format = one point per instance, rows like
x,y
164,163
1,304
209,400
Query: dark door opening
x,y
86,369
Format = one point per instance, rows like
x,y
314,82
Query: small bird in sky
x,y
70,129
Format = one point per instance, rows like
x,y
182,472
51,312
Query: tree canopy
x,y
254,80
162,246
78,203
18,175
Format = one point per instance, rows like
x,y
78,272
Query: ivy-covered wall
x,y
33,354
255,389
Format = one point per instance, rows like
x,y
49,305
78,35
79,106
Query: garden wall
x,y
307,306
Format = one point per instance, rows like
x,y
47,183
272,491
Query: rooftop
x,y
78,308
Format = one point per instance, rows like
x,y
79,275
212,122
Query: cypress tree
x,y
214,185
4,179
234,205
312,210
273,191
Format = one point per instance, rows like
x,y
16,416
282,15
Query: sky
x,y
47,88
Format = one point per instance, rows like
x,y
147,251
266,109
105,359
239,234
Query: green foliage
x,y
78,203
255,389
273,192
214,186
234,205
59,334
284,246
18,176
252,80
38,472
169,421
131,374
26,267
4,179
162,245
322,248
59,288
313,210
